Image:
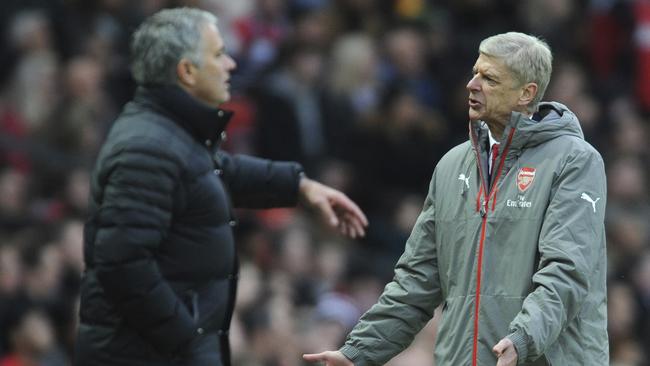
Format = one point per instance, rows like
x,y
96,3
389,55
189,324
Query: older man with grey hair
x,y
511,240
161,269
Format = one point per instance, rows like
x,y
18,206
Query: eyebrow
x,y
488,73
491,75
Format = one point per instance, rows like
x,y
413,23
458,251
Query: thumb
x,y
499,348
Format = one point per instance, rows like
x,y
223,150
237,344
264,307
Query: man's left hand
x,y
505,352
335,207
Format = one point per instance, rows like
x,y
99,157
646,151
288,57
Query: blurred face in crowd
x,y
494,92
10,270
34,335
307,66
208,82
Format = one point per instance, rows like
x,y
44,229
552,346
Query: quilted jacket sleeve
x,y
571,244
407,302
134,217
260,183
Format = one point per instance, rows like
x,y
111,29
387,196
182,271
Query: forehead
x,y
212,37
492,65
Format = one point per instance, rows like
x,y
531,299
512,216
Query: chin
x,y
217,102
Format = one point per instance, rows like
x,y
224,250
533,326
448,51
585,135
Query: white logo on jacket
x,y
521,202
587,198
464,179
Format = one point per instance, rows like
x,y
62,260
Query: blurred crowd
x,y
366,94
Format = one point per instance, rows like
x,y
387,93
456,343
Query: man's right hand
x,y
330,358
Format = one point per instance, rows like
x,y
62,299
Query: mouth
x,y
473,103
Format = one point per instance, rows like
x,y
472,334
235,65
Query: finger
x,y
314,357
362,227
328,213
351,230
355,223
358,228
498,349
345,231
346,204
354,227
354,233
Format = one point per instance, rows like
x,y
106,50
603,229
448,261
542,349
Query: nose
x,y
231,64
474,84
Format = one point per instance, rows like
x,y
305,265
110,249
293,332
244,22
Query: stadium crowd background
x,y
366,94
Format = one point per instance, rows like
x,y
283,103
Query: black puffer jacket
x,y
159,250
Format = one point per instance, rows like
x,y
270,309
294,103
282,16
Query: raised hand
x,y
335,207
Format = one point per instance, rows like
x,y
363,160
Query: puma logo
x,y
587,198
464,179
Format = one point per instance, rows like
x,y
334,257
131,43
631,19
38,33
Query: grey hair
x,y
165,38
528,57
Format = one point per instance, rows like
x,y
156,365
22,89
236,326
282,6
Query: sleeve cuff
x,y
352,353
520,341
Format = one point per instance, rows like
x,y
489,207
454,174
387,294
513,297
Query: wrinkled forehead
x,y
495,65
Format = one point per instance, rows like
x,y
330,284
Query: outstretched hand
x,y
330,358
335,207
506,353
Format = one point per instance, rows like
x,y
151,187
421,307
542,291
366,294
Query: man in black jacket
x,y
161,267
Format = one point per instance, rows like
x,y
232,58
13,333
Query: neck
x,y
497,127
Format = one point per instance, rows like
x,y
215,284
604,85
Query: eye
x,y
490,80
221,52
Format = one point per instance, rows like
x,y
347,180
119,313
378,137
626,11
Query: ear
x,y
528,93
186,72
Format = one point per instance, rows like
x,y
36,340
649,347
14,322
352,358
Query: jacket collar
x,y
551,120
509,142
203,122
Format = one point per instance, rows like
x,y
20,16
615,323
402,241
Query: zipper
x,y
482,205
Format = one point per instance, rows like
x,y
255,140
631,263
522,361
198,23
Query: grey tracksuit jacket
x,y
519,254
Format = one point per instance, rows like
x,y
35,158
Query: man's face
x,y
493,91
212,86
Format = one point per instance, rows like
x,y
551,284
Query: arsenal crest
x,y
525,178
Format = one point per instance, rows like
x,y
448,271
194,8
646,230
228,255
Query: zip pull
x,y
483,211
